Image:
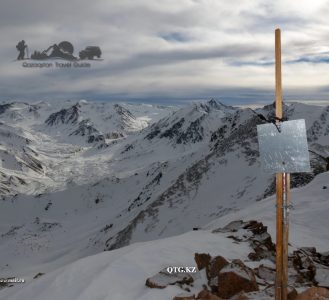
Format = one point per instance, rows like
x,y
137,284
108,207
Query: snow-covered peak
x,y
219,105
64,116
191,124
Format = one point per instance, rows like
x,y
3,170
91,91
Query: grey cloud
x,y
162,57
160,49
310,59
175,37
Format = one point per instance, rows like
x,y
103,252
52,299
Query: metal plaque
x,y
284,151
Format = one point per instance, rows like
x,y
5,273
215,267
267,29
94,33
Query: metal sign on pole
x,y
283,149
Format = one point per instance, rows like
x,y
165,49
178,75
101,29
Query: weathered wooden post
x,y
283,149
282,191
279,176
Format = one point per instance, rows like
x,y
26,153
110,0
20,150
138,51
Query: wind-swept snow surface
x,y
121,274
78,178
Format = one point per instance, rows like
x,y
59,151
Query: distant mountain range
x,y
77,178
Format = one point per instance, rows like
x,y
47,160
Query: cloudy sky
x,y
169,51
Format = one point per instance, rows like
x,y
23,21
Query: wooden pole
x,y
278,76
279,176
286,202
282,193
279,238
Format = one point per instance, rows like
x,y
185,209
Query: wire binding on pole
x,y
285,206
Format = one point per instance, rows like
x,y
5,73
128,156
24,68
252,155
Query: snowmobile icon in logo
x,y
90,52
63,50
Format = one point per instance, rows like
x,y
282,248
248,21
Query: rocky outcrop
x,y
266,273
206,295
216,265
184,297
314,293
213,266
202,260
164,278
312,267
255,233
234,278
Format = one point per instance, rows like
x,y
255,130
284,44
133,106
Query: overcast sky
x,y
168,51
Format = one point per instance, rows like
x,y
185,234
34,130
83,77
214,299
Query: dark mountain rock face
x,y
189,127
125,116
114,135
214,104
194,133
64,116
5,107
29,157
173,130
155,131
125,113
85,128
319,127
121,118
7,181
96,138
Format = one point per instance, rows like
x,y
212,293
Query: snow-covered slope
x,y
47,133
64,118
95,122
20,163
121,274
188,167
209,171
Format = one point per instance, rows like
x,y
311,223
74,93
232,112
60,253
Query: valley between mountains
x,y
81,177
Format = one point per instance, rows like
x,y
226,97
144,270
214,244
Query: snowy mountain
x,y
94,122
20,163
111,175
54,135
64,116
121,274
193,187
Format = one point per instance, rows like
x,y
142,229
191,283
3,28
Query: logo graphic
x,y
21,48
64,50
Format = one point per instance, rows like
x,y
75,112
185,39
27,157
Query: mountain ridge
x,y
189,166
